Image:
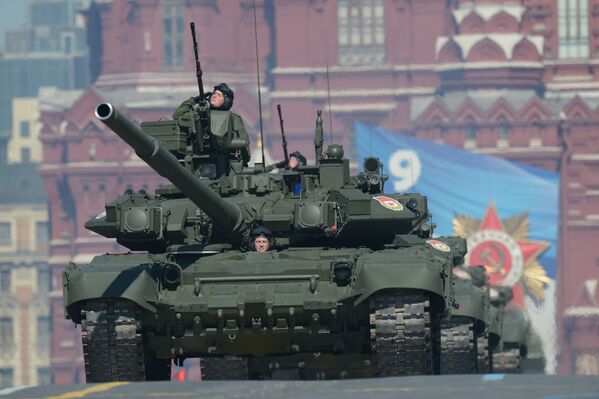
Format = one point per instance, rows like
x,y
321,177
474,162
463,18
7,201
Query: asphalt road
x,y
498,386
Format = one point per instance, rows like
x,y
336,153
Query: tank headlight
x,y
360,180
374,180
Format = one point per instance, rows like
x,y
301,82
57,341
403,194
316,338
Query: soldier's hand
x,y
198,99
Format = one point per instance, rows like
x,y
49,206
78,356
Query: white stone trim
x,y
582,311
583,223
585,157
489,65
312,93
573,78
579,85
168,79
370,107
351,69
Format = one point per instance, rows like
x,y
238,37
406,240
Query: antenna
x,y
259,90
330,112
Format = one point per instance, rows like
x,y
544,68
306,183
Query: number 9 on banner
x,y
405,168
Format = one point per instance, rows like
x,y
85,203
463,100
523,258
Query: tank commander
x,y
296,159
221,99
261,239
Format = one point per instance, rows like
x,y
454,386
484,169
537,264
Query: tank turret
x,y
224,214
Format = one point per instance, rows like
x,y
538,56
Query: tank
x,y
521,348
499,297
464,334
352,285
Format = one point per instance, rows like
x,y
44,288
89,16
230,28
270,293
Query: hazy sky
x,y
13,14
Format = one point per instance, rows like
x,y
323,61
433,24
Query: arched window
x,y
361,32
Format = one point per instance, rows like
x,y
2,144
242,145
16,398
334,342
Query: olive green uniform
x,y
188,106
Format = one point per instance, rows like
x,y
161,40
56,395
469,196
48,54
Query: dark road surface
x,y
444,387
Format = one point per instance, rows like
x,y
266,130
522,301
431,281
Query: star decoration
x,y
503,247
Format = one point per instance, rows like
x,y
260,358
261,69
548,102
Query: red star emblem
x,y
503,247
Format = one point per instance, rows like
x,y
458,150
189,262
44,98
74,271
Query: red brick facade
x,y
484,76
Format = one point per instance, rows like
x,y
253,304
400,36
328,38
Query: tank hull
x,y
262,305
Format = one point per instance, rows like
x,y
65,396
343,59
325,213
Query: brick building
x,y
24,278
516,79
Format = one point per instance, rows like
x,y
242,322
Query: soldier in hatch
x,y
220,99
296,159
261,239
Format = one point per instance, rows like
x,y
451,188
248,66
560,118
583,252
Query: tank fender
x,y
374,276
136,282
470,307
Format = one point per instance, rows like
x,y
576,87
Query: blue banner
x,y
459,182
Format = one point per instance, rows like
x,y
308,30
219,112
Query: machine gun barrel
x,y
198,64
224,215
284,139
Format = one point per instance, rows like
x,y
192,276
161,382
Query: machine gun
x,y
198,64
283,138
203,106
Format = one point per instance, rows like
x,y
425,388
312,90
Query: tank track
x,y
484,355
507,361
112,343
458,347
224,368
401,334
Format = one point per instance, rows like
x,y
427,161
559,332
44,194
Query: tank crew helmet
x,y
227,94
298,155
261,231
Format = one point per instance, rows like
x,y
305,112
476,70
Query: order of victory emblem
x,y
503,248
389,203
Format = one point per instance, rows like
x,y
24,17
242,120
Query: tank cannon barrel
x,y
224,215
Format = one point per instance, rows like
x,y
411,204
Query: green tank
x,y
499,298
464,334
521,349
353,284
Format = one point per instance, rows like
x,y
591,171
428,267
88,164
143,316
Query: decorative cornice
x,y
506,41
488,11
